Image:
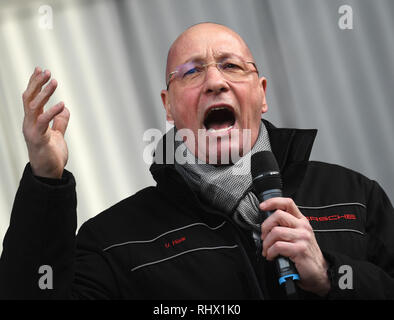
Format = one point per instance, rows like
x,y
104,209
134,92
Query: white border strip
x,y
163,234
335,205
339,230
182,253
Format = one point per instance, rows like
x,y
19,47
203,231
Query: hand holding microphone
x,y
286,232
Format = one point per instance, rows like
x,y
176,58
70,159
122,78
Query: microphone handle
x,y
287,272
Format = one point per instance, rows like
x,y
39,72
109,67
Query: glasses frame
x,y
206,65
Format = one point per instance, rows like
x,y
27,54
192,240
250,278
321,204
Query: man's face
x,y
217,107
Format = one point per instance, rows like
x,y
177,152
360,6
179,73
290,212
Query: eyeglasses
x,y
193,73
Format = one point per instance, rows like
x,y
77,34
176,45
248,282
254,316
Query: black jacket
x,y
165,243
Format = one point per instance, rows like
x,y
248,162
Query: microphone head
x,y
263,161
265,171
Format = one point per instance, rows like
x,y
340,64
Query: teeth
x,y
216,109
220,130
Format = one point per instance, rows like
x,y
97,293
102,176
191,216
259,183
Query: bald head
x,y
201,33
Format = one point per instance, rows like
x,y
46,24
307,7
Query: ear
x,y
166,103
263,86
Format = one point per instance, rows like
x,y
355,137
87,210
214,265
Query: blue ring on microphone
x,y
294,276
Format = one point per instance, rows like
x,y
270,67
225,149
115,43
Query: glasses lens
x,y
193,73
189,72
233,69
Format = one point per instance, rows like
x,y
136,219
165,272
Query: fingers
x,y
282,248
36,72
34,100
285,229
279,218
285,204
37,80
36,121
37,104
283,241
45,118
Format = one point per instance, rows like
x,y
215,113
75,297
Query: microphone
x,y
267,183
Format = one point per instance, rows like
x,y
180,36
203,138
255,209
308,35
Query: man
x,y
191,235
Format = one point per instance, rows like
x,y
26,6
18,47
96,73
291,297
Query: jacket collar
x,y
291,147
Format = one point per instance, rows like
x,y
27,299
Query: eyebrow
x,y
220,55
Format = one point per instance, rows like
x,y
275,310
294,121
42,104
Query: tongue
x,y
219,119
219,125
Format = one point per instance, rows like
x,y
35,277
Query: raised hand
x,y
48,153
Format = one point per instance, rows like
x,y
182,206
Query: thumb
x,y
60,122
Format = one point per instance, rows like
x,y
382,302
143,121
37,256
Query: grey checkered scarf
x,y
221,188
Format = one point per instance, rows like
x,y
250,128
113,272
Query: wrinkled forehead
x,y
205,44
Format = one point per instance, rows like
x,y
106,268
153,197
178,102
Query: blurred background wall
x,y
109,59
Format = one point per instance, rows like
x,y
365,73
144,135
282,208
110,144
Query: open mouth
x,y
219,118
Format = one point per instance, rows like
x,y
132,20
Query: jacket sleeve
x,y
373,278
39,259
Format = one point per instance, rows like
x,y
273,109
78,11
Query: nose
x,y
214,81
